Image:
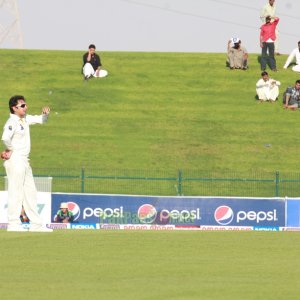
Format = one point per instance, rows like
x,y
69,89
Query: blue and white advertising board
x,y
43,206
293,212
180,211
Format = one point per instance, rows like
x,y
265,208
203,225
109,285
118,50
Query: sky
x,y
150,25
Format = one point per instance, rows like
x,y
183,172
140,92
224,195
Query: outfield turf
x,y
149,265
155,113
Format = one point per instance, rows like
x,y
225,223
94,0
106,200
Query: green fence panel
x,y
173,183
229,184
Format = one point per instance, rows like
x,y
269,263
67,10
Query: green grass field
x,y
155,111
155,114
149,265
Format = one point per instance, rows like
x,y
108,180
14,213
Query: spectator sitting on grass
x,y
92,66
291,97
267,88
237,55
294,54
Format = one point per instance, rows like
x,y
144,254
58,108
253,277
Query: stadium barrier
x,y
135,212
177,212
177,183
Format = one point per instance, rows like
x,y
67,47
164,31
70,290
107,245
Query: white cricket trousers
x,y
21,191
88,70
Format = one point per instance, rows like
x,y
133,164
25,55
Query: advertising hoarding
x,y
178,211
43,202
293,212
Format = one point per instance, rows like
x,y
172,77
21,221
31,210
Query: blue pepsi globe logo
x,y
224,215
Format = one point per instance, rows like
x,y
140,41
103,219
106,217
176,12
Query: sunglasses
x,y
22,105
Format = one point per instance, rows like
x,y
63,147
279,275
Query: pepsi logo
x,y
147,213
224,215
75,209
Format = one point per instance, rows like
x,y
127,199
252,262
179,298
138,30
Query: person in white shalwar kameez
x,y
294,54
267,89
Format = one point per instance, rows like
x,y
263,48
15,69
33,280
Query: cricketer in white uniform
x,y
21,186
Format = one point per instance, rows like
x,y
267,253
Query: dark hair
x,y
13,101
236,45
92,46
264,73
298,81
268,18
298,42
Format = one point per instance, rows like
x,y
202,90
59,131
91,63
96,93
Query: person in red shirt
x,y
267,39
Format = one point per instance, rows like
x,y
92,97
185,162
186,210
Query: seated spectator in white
x,y
291,97
267,88
237,55
92,66
294,54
